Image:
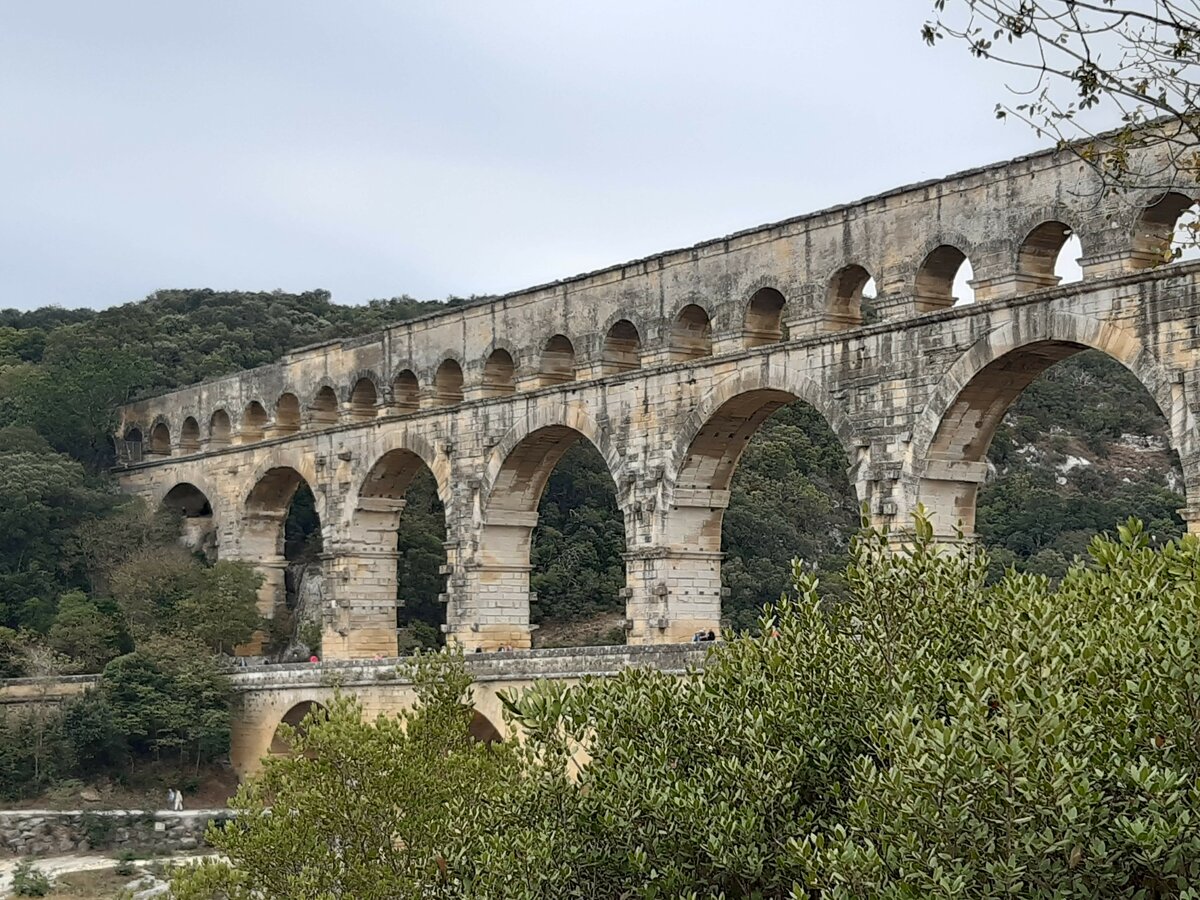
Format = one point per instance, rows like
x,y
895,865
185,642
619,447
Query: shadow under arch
x,y
482,731
956,427
299,717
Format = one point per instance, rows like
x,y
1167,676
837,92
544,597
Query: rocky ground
x,y
87,877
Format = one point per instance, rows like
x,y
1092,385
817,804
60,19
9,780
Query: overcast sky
x,y
383,147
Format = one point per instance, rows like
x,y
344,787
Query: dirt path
x,y
55,866
62,865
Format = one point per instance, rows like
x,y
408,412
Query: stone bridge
x,y
266,696
668,365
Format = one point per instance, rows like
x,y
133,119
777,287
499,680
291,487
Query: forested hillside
x,y
1082,448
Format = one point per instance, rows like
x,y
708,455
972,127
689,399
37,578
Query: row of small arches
x,y
1048,256
622,352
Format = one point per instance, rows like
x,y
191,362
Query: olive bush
x,y
924,735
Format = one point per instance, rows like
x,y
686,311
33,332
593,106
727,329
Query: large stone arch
x,y
493,611
954,429
573,417
767,376
674,572
361,562
264,507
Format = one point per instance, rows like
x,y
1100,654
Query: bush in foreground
x,y
927,736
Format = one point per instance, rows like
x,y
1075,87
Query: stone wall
x,y
42,832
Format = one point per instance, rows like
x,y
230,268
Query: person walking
x,y
178,802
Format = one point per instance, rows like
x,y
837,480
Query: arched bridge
x,y
267,696
667,365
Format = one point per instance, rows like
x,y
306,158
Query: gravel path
x,y
61,865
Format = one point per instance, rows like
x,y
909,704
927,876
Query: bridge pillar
x,y
359,621
1011,285
488,605
673,582
490,610
259,543
671,594
948,490
1191,518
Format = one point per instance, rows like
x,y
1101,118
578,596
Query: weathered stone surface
x,y
49,832
668,365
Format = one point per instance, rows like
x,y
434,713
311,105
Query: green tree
x,y
149,584
374,809
219,606
1132,64
168,696
43,496
12,654
84,633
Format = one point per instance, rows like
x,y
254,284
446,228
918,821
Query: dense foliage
x,y
167,701
928,735
361,809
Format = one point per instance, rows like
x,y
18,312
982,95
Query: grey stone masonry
x,y
667,365
44,832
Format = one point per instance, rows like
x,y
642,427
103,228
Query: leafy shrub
x,y
926,736
30,881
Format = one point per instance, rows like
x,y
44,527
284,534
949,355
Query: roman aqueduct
x,y
668,365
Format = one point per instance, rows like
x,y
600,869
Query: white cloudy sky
x,y
381,147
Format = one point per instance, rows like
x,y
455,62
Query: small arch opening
x,y
130,450
1166,231
558,361
254,423
499,374
1185,242
847,291
1040,256
160,439
219,429
324,409
300,718
691,334
406,395
622,351
448,383
189,435
1066,265
287,414
482,731
944,280
764,318
363,400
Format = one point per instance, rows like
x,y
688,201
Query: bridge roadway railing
x,y
508,666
